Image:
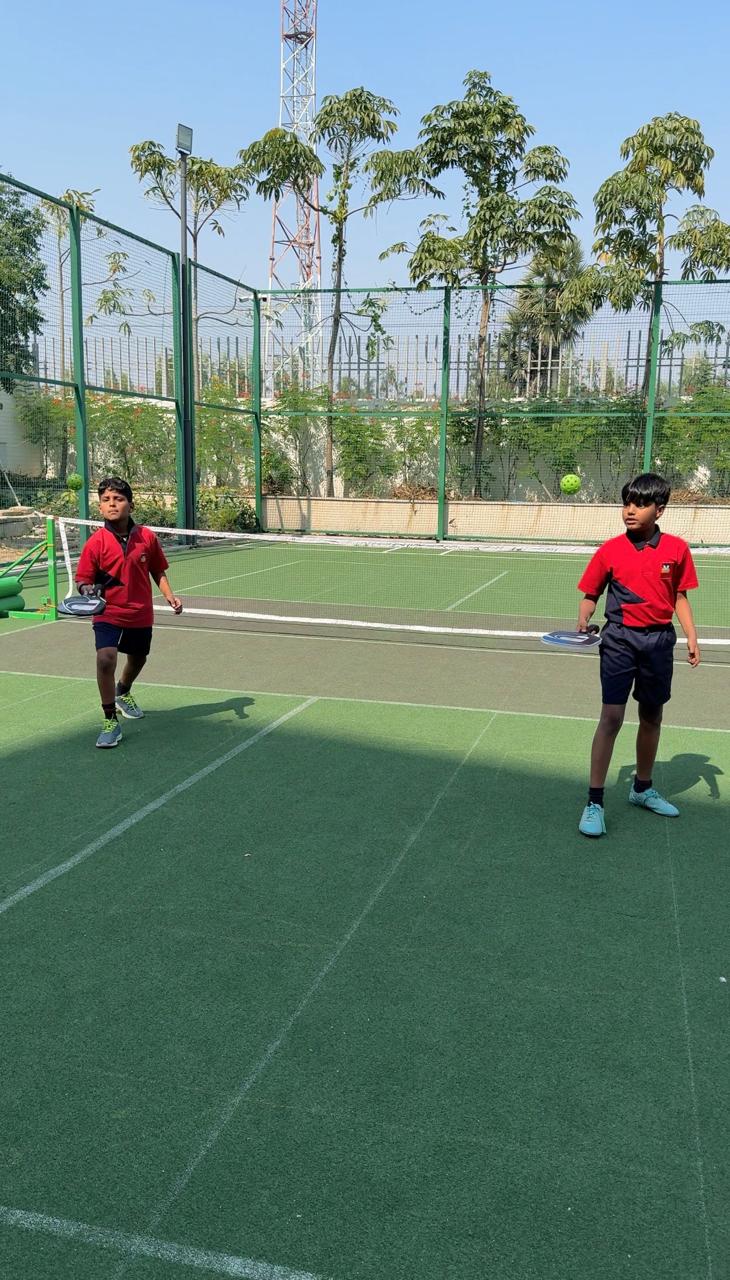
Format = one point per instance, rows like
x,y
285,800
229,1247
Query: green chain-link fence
x,y
389,410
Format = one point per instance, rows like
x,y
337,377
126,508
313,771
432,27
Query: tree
x,y
23,282
353,127
213,190
111,295
538,331
665,158
513,207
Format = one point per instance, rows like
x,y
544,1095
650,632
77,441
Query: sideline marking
x,y
136,1246
699,1157
250,573
483,587
101,841
234,1102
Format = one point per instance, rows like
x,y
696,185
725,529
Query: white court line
x,y
136,1246
699,1158
250,573
281,1035
14,631
134,818
376,702
483,587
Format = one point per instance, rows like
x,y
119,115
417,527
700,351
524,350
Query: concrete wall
x,y
15,453
559,521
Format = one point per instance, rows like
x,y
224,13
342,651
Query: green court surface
x,y
313,977
455,587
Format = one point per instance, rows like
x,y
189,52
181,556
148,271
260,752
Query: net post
x,y
179,374
77,327
256,399
441,529
656,315
52,614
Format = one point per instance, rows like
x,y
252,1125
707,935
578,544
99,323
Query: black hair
x,y
117,485
645,489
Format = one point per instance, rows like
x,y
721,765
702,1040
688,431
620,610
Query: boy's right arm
x,y
87,566
592,584
586,610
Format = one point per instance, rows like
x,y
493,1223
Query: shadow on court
x,y
416,1024
199,710
680,773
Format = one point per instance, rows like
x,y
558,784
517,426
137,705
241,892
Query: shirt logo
x,y
666,568
143,559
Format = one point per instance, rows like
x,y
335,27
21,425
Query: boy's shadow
x,y
198,710
681,773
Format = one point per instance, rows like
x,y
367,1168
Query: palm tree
x,y
537,332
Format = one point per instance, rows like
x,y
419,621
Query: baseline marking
x,y
379,702
134,818
137,1246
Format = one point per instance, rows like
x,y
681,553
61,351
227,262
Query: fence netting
x,y
384,410
222,322
37,447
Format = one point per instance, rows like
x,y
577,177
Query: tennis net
x,y
501,590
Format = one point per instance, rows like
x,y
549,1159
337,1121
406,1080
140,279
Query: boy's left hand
x,y
175,604
693,655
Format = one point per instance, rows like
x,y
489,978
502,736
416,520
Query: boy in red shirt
x,y
648,574
121,558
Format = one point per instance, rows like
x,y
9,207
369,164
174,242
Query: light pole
x,y
184,148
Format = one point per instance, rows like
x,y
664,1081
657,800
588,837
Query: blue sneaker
x,y
652,801
592,822
128,706
111,734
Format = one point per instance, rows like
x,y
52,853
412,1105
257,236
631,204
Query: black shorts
x,y
135,640
641,657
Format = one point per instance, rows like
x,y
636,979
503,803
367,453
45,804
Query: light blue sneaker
x,y
111,734
592,822
652,801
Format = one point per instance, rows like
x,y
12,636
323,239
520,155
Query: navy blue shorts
x,y
135,640
637,657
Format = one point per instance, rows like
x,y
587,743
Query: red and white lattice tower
x,y
295,247
296,261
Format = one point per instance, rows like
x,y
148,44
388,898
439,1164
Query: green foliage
x,y
154,508
225,510
133,437
364,456
536,445
666,157
47,421
23,282
692,443
277,472
507,216
224,438
212,188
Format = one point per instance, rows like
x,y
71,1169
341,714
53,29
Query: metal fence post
x,y
179,374
77,327
656,316
256,399
441,529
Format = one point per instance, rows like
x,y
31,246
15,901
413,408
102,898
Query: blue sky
x,y
81,82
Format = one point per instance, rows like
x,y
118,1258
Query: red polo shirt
x,y
123,567
643,578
